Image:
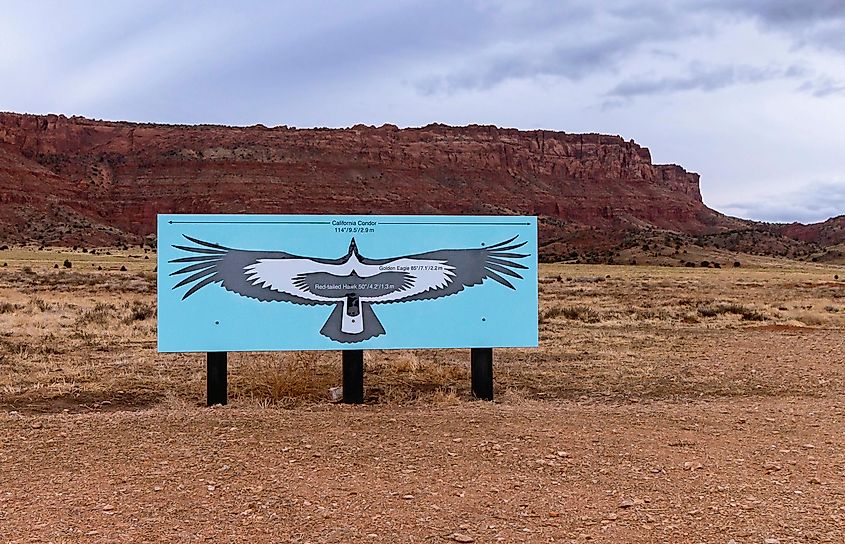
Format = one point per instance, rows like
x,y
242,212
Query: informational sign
x,y
317,282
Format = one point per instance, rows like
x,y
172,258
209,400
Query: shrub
x,y
99,314
8,307
575,313
707,311
40,303
123,269
140,311
737,264
67,264
705,264
747,314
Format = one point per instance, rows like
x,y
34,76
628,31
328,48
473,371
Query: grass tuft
x,y
8,307
745,312
100,314
140,311
584,314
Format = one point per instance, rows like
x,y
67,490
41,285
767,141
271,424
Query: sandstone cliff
x,y
69,180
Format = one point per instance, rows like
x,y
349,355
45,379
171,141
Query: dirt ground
x,y
664,405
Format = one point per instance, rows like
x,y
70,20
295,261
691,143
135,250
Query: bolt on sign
x,y
320,282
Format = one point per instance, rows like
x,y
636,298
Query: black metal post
x,y
481,372
215,379
353,376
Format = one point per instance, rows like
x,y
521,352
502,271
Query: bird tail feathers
x,y
372,326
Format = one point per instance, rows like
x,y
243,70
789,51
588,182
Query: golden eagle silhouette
x,y
352,283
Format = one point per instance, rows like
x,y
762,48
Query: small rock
x,y
211,488
108,508
36,425
336,394
157,488
808,446
771,541
408,497
554,514
626,503
564,454
460,537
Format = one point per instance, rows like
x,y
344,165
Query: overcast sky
x,y
748,93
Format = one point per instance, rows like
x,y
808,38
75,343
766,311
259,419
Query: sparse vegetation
x,y
140,311
40,304
737,309
588,323
575,313
100,314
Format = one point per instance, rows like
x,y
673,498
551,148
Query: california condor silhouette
x,y
352,283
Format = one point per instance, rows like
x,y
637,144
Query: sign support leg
x,y
481,372
215,378
353,376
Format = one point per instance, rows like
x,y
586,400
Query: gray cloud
x,y
573,43
570,62
783,13
622,29
812,203
823,86
819,23
703,78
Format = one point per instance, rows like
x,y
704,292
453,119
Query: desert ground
x,y
665,404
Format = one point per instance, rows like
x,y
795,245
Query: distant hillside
x,y
74,180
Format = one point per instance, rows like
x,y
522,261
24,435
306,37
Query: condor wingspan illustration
x,y
352,283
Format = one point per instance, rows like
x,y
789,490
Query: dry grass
x,y
76,339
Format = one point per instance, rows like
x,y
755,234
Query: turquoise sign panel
x,y
320,282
